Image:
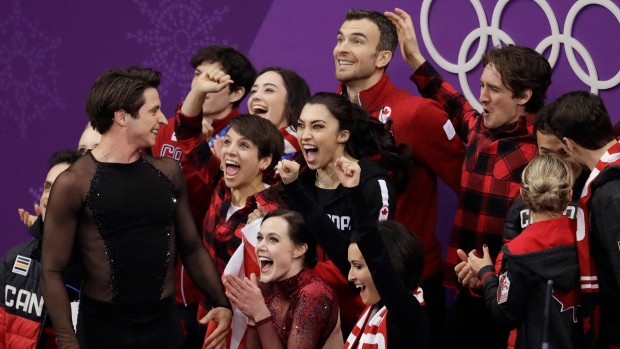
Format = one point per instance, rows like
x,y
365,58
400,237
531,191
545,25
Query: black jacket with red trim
x,y
519,216
22,310
605,249
515,294
381,203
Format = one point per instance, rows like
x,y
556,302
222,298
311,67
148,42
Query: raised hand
x,y
247,297
26,217
288,170
409,46
476,263
464,273
218,144
211,81
258,213
348,172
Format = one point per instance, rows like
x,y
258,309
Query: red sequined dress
x,y
304,312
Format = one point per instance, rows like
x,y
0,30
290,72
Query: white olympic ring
x,y
497,36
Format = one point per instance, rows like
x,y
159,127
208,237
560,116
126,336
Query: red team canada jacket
x,y
422,124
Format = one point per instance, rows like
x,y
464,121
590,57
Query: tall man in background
x,y
365,45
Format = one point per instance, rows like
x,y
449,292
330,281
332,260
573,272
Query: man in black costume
x,y
128,214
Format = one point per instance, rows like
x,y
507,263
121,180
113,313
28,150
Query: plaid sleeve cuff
x,y
186,126
427,79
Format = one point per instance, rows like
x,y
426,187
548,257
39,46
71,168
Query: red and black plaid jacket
x,y
222,237
198,191
494,160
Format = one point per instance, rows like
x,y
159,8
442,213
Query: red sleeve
x,y
498,262
2,327
196,149
434,144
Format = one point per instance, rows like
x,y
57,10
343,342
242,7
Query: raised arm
x,y
63,209
189,125
429,82
404,309
409,47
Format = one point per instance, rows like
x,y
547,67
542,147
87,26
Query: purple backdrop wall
x,y
51,53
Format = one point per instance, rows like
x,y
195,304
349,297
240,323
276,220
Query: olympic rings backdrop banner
x,y
51,53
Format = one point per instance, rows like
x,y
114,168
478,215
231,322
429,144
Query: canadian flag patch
x,y
385,114
384,213
504,287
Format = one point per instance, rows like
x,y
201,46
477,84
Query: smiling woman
x,y
289,307
331,127
279,95
384,261
249,149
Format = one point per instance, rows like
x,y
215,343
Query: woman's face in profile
x,y
359,275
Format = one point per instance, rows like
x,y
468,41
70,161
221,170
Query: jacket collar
x,y
375,97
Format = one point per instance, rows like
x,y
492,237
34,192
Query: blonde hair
x,y
547,183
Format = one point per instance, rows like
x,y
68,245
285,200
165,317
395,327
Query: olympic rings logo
x,y
498,36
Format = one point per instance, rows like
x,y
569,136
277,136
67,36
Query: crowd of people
x,y
309,222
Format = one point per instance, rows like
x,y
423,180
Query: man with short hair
x,y
217,110
88,141
23,317
580,121
499,144
365,45
127,212
519,216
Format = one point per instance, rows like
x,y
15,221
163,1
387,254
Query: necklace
x,y
322,180
105,156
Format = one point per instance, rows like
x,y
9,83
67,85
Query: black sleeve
x,y
381,197
36,229
510,312
195,257
64,205
605,212
517,219
404,310
333,242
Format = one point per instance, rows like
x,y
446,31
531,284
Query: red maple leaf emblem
x,y
568,300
